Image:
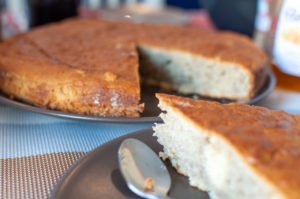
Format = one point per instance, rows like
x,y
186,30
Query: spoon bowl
x,y
144,172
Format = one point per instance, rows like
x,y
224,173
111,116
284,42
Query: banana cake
x,y
92,67
233,151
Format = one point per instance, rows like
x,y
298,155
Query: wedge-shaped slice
x,y
232,151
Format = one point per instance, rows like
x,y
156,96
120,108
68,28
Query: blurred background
x,y
236,15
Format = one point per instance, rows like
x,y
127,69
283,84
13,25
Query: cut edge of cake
x,y
190,73
209,160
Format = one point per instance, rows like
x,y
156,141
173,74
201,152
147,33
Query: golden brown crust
x,y
95,62
223,46
267,140
79,77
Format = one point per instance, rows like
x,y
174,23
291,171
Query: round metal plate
x,y
97,175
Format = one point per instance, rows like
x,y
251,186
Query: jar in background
x,y
286,48
278,33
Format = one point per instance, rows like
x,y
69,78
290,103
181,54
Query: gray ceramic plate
x,y
150,113
97,175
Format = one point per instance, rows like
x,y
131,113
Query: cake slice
x,y
233,151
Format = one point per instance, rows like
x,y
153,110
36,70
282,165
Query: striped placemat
x,y
34,176
36,150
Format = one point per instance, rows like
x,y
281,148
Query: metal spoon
x,y
144,172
